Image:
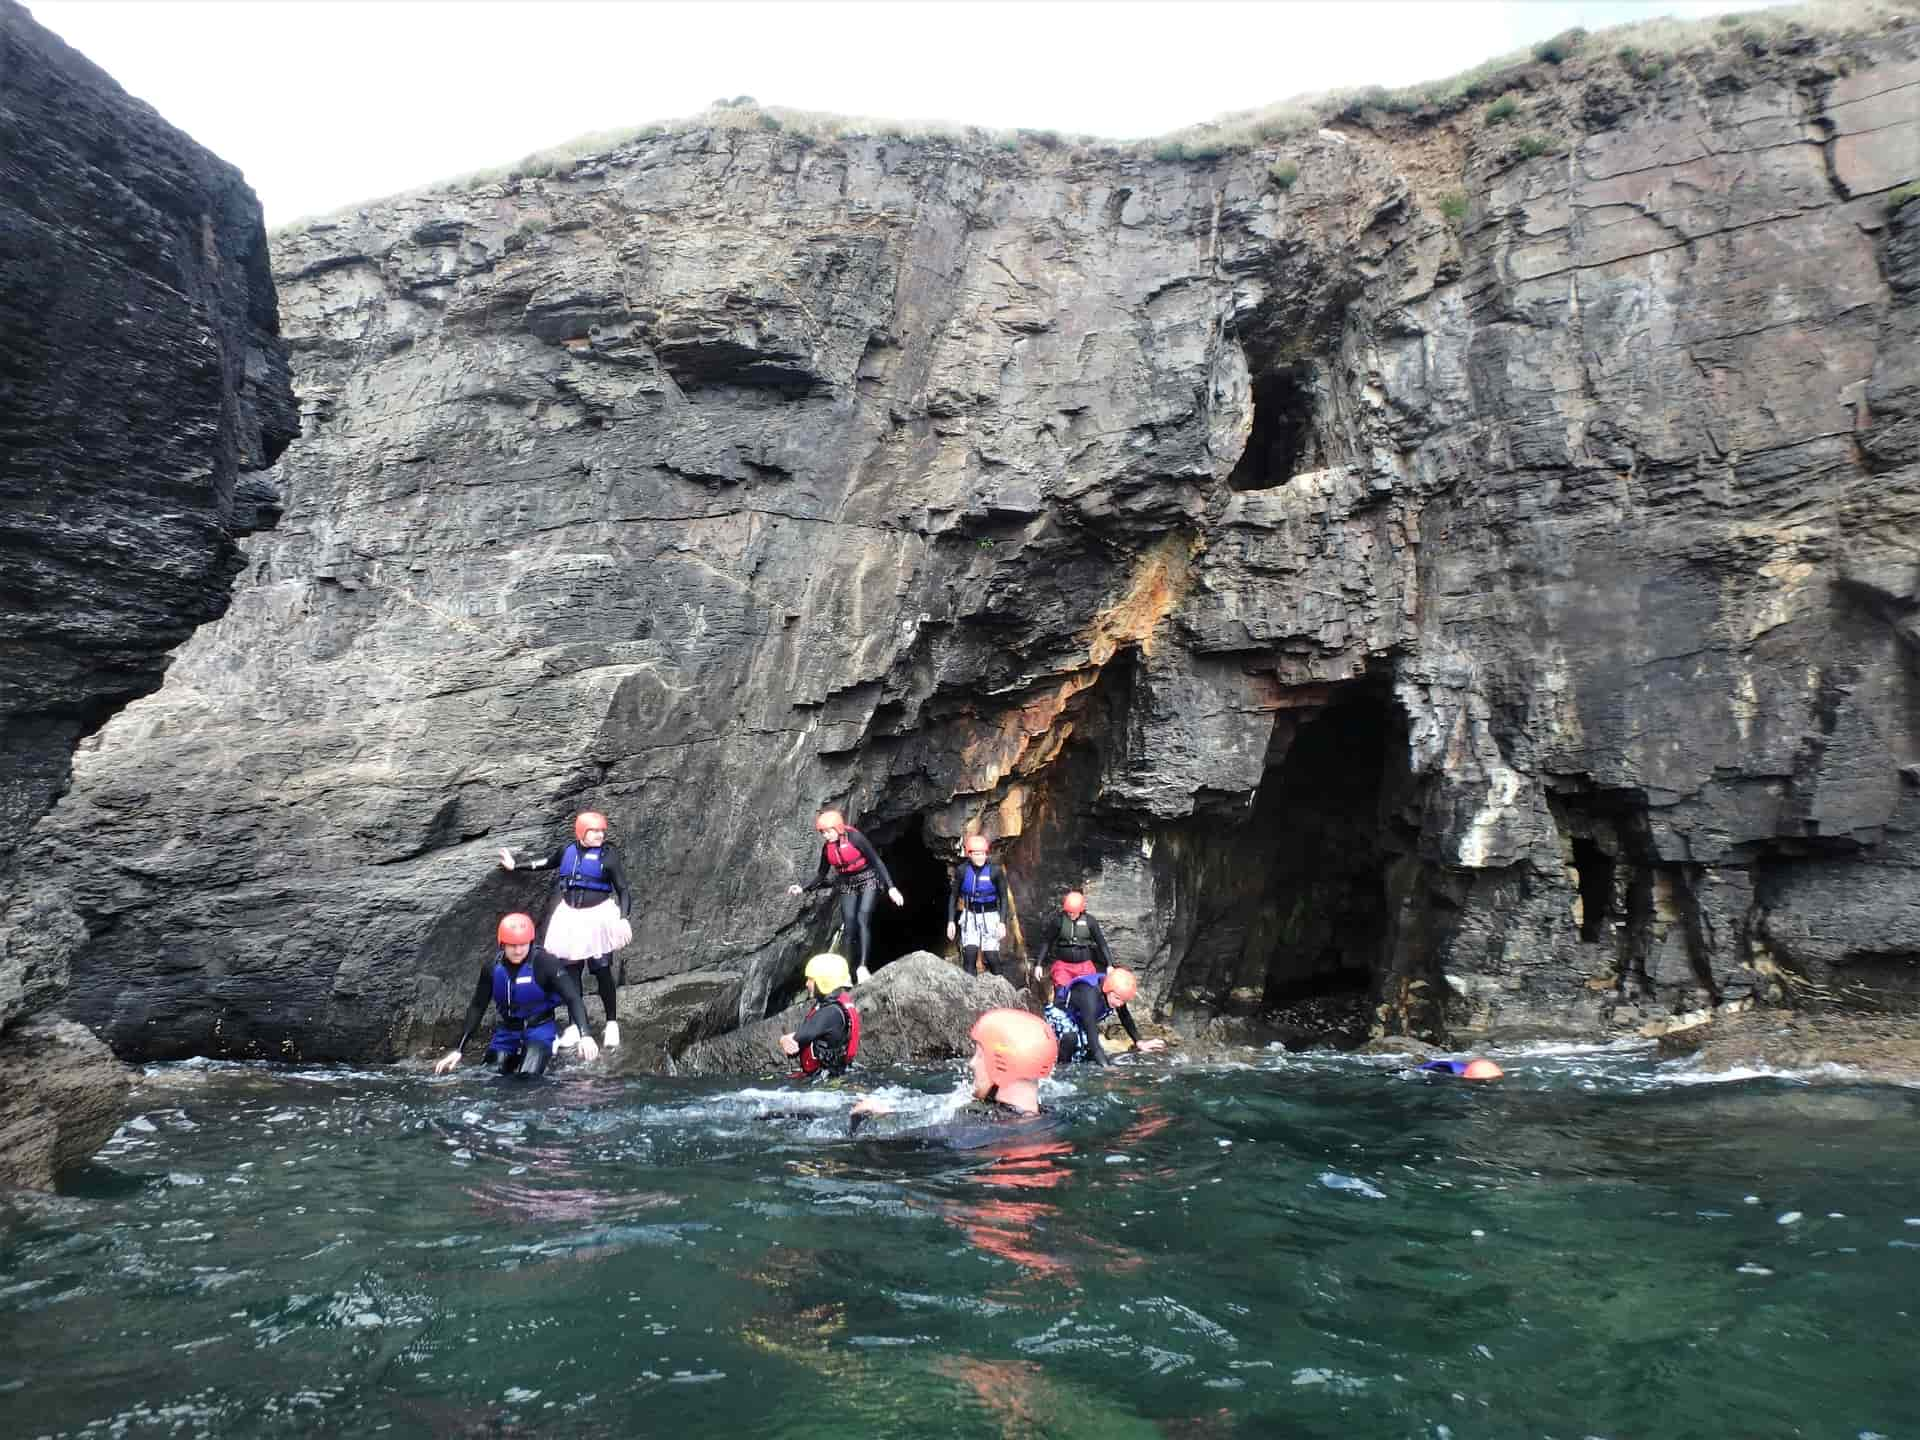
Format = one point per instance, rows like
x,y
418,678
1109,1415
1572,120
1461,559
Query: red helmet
x,y
1016,1045
1482,1069
830,820
1075,904
1120,985
977,845
588,820
515,929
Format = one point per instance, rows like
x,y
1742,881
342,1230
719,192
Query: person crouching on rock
x,y
591,905
977,911
1076,947
828,1040
526,985
1089,1000
1013,1051
854,868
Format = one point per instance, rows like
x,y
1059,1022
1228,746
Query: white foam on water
x,y
1357,1186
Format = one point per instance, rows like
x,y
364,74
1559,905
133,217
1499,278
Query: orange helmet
x,y
977,845
1016,1045
515,929
1075,904
1482,1070
1120,985
830,820
588,820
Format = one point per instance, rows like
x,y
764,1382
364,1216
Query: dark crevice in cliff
x,y
1282,443
920,924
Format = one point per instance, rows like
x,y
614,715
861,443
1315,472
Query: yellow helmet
x,y
828,973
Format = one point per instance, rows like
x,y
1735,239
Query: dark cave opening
x,y
1595,869
922,876
1282,443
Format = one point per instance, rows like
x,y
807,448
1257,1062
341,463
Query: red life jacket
x,y
833,1061
844,856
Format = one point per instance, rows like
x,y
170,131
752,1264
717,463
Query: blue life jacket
x,y
1446,1067
977,889
1096,980
524,1003
1064,1029
581,870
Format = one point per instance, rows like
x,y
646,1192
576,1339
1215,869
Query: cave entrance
x,y
1595,869
1282,443
920,924
1293,903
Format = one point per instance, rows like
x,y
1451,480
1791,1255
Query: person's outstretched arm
x,y
1103,956
476,1009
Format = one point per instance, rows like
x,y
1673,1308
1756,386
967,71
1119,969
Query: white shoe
x,y
610,1040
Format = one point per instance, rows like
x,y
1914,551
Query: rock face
x,y
1477,571
141,381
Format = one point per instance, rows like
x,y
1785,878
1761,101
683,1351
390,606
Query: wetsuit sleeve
x,y
1000,893
1102,955
826,1023
819,875
1046,946
953,890
610,862
477,1006
1126,1019
552,973
865,847
547,864
1084,1003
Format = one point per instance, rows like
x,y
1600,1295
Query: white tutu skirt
x,y
981,928
587,934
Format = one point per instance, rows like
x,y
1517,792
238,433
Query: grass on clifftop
x,y
1642,49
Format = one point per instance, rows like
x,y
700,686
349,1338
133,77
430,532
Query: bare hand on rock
x,y
790,1045
446,1062
506,858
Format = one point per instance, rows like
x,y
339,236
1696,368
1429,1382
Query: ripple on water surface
x,y
1296,1245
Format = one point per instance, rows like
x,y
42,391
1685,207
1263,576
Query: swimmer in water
x,y
1013,1051
1475,1069
1090,999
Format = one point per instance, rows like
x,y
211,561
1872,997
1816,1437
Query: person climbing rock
x,y
828,1039
591,903
1076,947
1089,1000
854,868
1013,1051
977,912
527,986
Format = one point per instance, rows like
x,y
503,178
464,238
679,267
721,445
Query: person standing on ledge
x,y
854,868
828,1040
591,905
1076,947
527,985
977,912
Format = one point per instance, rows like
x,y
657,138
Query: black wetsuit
x,y
959,903
981,1123
580,898
532,1059
858,892
1083,1007
827,1030
1074,941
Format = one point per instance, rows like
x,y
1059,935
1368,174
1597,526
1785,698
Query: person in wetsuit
x,y
827,1041
526,985
591,903
977,912
1013,1051
854,868
1076,947
1088,1000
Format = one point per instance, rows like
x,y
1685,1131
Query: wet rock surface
x,y
144,389
1478,573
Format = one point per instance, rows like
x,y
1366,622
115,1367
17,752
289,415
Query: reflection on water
x,y
1298,1245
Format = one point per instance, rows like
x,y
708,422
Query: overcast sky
x,y
326,102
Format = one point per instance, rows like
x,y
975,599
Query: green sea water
x,y
1296,1246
